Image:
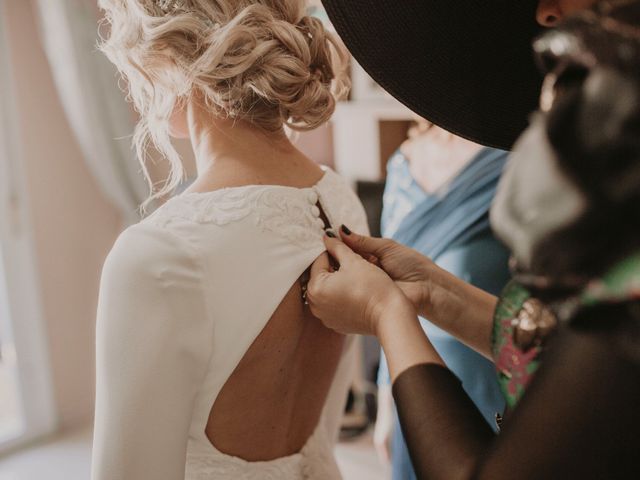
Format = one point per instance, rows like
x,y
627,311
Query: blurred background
x,y
69,184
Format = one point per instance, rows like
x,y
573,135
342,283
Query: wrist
x,y
435,284
398,310
461,309
404,342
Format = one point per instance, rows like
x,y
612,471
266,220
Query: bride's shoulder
x,y
146,250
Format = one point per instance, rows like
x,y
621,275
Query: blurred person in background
x,y
437,196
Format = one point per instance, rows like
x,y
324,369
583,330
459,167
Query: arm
x,y
459,308
561,429
579,418
153,344
404,342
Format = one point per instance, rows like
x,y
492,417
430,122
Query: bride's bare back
x,y
272,402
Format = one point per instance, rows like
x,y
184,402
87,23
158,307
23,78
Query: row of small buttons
x,y
313,198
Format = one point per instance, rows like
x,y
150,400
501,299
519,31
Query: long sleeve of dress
x,y
153,344
578,419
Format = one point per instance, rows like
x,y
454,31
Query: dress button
x,y
320,223
312,197
315,210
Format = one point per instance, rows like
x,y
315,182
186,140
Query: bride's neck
x,y
217,140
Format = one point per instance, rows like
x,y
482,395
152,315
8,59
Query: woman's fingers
x,y
365,246
351,299
321,265
338,250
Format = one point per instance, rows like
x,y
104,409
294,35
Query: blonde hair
x,y
262,61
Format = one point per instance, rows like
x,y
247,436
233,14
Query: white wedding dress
x,y
183,295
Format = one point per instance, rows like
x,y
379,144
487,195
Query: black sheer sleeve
x,y
580,417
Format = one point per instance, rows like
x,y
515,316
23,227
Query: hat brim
x,y
466,66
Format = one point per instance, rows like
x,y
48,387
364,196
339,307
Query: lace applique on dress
x,y
297,216
286,211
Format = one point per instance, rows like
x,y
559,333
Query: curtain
x,y
95,106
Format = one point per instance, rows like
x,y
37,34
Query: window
x,y
26,401
10,414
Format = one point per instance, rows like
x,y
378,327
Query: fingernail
x,y
345,230
330,234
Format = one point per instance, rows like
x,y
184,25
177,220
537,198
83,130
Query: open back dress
x,y
183,295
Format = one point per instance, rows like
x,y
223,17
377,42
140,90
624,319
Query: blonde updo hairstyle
x,y
262,61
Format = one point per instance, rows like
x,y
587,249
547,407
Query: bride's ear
x,y
178,121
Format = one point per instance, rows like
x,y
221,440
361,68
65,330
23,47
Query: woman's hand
x,y
354,298
409,269
459,308
359,297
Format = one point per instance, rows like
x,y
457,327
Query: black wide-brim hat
x,y
465,65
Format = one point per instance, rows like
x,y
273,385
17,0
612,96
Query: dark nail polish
x,y
330,234
345,230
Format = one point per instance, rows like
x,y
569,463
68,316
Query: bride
x,y
209,363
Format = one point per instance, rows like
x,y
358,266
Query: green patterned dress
x,y
522,324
